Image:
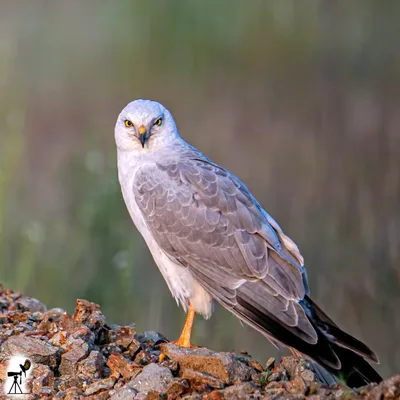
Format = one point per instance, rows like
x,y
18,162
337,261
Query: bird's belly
x,y
183,286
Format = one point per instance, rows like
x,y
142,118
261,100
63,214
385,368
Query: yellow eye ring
x,y
158,122
128,123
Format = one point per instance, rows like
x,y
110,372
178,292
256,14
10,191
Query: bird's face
x,y
143,126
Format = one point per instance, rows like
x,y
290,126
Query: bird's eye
x,y
158,122
128,123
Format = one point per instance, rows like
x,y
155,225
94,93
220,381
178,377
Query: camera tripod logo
x,y
17,375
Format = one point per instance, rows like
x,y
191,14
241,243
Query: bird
x,y
213,242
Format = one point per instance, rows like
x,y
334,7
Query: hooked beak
x,y
142,135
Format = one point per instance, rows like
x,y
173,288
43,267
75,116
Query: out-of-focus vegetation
x,y
299,99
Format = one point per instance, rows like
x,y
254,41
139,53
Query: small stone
x,y
72,393
152,377
70,359
176,388
33,348
47,325
296,386
221,365
275,376
55,313
192,396
214,395
59,339
75,329
30,304
151,337
97,386
46,392
119,366
270,363
92,366
43,377
4,304
239,391
386,390
17,316
89,313
98,396
256,365
125,393
144,358
308,375
64,383
123,336
197,378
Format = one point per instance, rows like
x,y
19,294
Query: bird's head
x,y
144,125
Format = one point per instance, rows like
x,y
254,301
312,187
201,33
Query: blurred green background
x,y
300,99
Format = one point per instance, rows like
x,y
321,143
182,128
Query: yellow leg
x,y
184,339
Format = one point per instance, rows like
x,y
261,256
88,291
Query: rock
x,y
35,349
119,366
43,377
72,393
17,316
144,358
123,336
89,314
69,360
125,393
30,304
296,386
214,395
197,378
176,388
221,365
59,339
99,385
153,377
82,357
239,391
92,366
270,363
256,365
70,327
152,338
386,390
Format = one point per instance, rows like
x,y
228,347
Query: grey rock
x,y
239,391
43,377
99,385
33,348
153,377
151,337
30,304
70,359
92,366
125,393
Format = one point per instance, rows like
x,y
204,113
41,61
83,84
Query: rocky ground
x,y
81,356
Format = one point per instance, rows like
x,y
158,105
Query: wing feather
x,y
206,219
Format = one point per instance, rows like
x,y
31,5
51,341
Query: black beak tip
x,y
142,139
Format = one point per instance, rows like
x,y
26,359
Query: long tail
x,y
338,352
352,353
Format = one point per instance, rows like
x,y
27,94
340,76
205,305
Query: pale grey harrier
x,y
212,240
